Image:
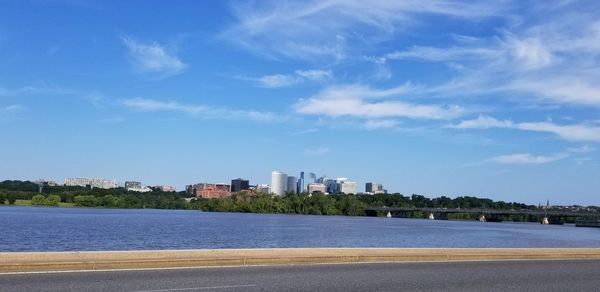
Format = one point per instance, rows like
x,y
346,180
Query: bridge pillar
x,y
431,217
482,218
545,221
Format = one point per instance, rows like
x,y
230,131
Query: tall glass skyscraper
x,y
300,187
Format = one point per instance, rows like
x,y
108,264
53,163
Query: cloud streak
x,y
153,58
13,108
313,152
34,90
299,76
313,30
572,132
365,102
199,111
550,59
527,159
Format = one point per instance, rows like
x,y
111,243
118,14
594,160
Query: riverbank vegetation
x,y
23,191
316,204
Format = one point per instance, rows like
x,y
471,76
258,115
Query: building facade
x,y
133,185
292,185
262,188
278,183
167,188
348,187
99,183
208,190
238,185
374,188
316,188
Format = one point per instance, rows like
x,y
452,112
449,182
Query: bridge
x,y
547,216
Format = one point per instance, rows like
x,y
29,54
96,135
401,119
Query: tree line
x,y
315,204
341,204
11,190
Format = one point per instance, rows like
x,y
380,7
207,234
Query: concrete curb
x,y
114,260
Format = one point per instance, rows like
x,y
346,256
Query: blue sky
x,y
494,98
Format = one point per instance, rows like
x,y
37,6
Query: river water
x,y
67,229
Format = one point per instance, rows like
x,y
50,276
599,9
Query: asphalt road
x,y
458,276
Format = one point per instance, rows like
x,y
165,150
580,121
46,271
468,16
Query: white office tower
x,y
278,183
348,187
292,184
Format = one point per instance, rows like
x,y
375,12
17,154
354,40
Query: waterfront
x,y
65,229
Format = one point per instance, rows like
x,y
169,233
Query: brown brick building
x,y
209,191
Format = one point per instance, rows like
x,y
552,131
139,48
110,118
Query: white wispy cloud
x,y
153,57
380,124
551,57
527,159
13,108
366,102
278,80
200,111
299,76
582,149
572,132
34,90
316,151
315,75
330,29
444,54
304,132
11,112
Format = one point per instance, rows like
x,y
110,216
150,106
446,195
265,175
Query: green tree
x,y
38,200
86,201
12,198
51,200
2,198
109,201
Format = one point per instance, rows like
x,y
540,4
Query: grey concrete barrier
x,y
114,260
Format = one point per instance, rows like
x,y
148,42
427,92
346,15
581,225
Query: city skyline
x,y
489,99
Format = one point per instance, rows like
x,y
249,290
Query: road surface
x,y
450,276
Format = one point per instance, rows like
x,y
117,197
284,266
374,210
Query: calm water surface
x,y
64,229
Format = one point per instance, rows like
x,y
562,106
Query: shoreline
x,y
24,262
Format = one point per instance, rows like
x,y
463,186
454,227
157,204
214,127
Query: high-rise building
x,y
278,183
300,187
312,178
348,187
133,185
91,182
374,188
292,184
316,188
331,185
238,185
369,187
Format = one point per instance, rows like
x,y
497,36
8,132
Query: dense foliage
x,y
41,200
319,204
316,204
10,191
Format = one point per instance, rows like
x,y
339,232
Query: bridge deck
x,y
549,213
